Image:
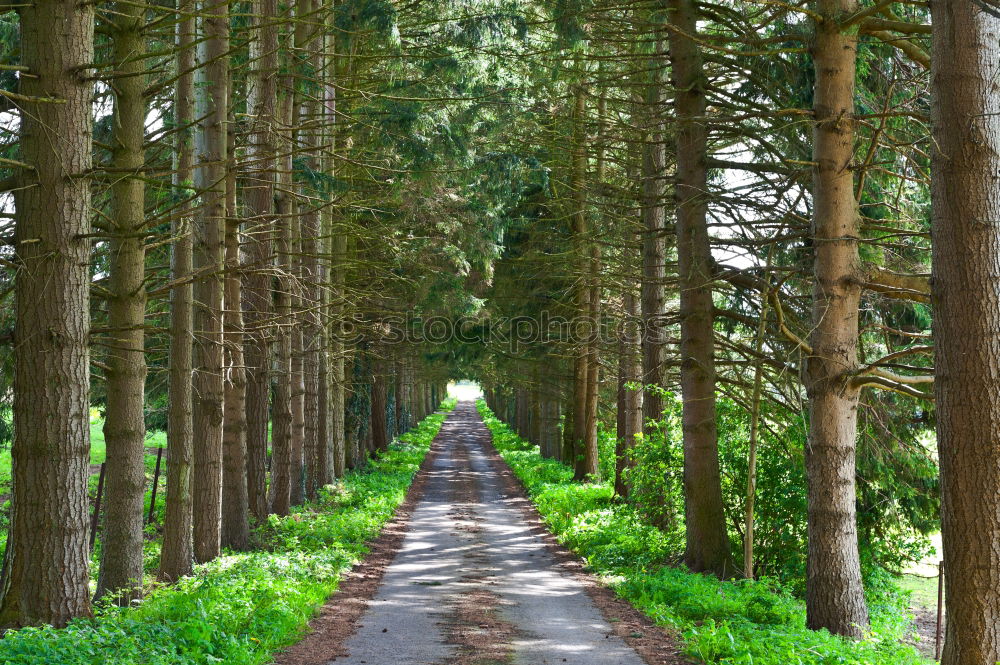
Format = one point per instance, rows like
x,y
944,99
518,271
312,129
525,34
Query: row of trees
x,y
223,212
775,170
206,235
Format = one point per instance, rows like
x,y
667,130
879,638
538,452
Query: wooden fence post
x,y
97,508
156,479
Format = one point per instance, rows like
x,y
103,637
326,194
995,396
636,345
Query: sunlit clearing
x,y
464,391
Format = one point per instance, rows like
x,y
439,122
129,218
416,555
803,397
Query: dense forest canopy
x,y
734,259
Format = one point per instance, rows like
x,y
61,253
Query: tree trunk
x,y
354,428
834,595
281,431
124,424
535,420
258,193
235,532
755,399
566,452
338,359
210,180
398,390
654,244
591,460
380,438
583,462
296,447
521,417
307,45
630,401
966,296
324,451
552,429
45,572
707,543
310,355
177,553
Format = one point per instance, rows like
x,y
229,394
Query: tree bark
x,y
258,193
307,45
707,543
834,595
210,180
380,437
338,359
629,401
296,439
235,533
568,443
177,552
749,522
591,459
535,419
45,571
124,424
965,72
296,446
281,432
584,373
654,243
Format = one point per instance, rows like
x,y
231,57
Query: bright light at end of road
x,y
464,391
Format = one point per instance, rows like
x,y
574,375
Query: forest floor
x,y
467,575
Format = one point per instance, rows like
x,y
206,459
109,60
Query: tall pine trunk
x,y
177,552
966,296
210,180
281,434
707,543
653,201
834,595
45,570
296,446
380,389
309,116
338,358
584,367
124,424
630,401
235,530
258,194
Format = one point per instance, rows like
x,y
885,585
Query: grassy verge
x,y
154,439
736,623
923,590
241,608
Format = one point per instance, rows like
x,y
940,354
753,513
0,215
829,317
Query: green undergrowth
x,y
732,622
241,608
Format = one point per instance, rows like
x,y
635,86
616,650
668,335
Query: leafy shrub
x,y
657,474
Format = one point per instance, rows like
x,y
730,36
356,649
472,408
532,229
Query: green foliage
x,y
897,487
656,477
240,608
727,622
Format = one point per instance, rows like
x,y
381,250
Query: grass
x,y
726,622
923,590
242,607
98,452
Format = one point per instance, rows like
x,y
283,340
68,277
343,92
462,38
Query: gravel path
x,y
475,582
